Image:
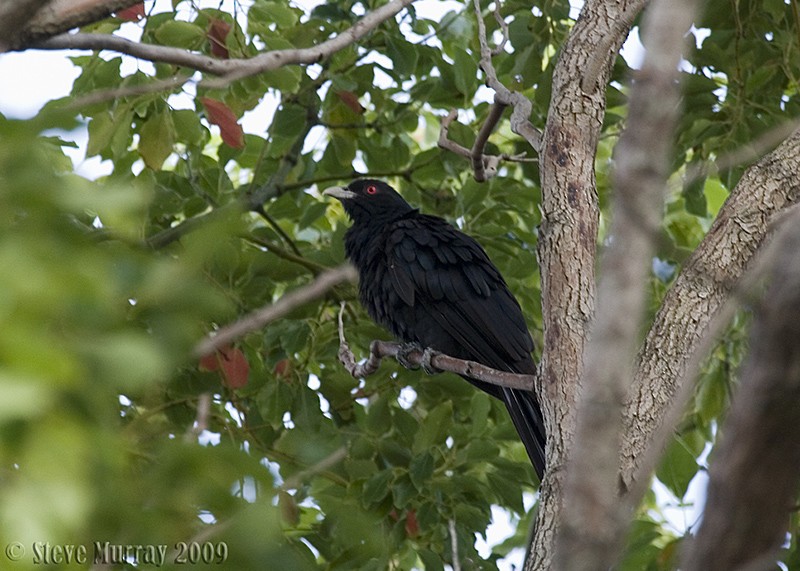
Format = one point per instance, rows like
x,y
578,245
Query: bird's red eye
x,y
372,189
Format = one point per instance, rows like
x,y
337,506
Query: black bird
x,y
432,285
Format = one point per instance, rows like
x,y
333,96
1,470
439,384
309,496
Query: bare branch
x,y
498,49
743,293
228,70
593,518
267,314
484,166
748,152
451,527
755,470
520,116
59,16
567,247
329,461
700,292
201,418
380,349
602,52
476,154
148,52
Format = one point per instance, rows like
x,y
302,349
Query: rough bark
x,y
755,471
567,240
706,281
60,16
13,16
593,519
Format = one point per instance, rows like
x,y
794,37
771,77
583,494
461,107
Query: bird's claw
x,y
404,355
404,358
427,366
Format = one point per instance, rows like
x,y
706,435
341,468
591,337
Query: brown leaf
x,y
351,100
221,115
217,34
412,525
282,369
132,14
235,368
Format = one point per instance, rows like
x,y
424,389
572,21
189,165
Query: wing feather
x,y
450,280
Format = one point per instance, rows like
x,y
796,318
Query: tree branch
x,y
567,248
228,71
59,16
484,166
14,14
139,50
703,286
755,470
742,294
269,313
593,519
380,349
521,105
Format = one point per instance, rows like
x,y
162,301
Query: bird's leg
x,y
404,354
427,366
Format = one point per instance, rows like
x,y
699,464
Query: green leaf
x,y
180,34
281,14
465,69
156,139
679,463
188,128
403,55
694,196
377,488
421,469
435,427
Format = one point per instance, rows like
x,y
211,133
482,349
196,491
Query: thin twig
x,y
328,462
201,419
269,313
498,49
451,527
748,152
476,154
484,166
522,106
380,349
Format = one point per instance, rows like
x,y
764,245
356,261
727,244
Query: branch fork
x,y
485,166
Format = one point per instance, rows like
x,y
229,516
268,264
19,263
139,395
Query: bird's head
x,y
369,200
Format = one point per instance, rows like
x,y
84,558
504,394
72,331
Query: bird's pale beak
x,y
339,192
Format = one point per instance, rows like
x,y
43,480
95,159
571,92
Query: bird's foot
x,y
427,366
404,357
404,354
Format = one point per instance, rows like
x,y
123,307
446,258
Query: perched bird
x,y
432,285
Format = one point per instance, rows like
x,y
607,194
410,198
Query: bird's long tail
x,y
527,417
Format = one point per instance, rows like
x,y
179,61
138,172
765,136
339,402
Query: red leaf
x,y
217,34
235,368
209,362
351,100
132,14
412,525
221,115
282,368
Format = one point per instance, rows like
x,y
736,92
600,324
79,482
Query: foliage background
x,y
109,283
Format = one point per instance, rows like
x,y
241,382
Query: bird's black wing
x,y
453,299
